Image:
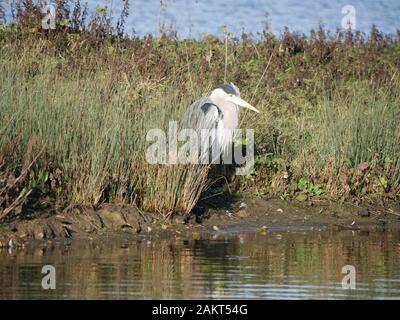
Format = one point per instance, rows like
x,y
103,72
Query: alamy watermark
x,y
349,280
49,20
190,146
349,17
49,280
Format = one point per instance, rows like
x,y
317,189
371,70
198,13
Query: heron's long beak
x,y
240,102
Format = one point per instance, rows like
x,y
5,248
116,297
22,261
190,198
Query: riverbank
x,y
77,104
256,216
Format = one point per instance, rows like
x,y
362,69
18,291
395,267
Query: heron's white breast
x,y
227,125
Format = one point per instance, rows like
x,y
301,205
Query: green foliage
x,y
40,181
101,11
309,188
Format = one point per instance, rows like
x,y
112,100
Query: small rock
x,y
215,228
40,235
285,175
242,214
126,225
279,210
302,197
128,228
263,229
243,205
149,229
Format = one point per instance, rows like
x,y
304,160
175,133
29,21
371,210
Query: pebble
x,y
215,228
243,205
279,210
263,229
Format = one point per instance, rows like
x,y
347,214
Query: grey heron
x,y
215,118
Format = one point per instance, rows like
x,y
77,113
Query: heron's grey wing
x,y
204,116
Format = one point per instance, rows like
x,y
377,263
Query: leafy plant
x,y
308,188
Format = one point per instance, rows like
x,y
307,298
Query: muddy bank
x,y
255,215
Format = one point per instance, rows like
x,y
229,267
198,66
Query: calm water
x,y
192,18
286,265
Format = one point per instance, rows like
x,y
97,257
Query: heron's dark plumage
x,y
228,88
206,107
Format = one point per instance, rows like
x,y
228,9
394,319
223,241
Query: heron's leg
x,y
227,170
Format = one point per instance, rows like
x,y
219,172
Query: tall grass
x,y
93,128
352,145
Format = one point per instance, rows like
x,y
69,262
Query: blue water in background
x,y
195,18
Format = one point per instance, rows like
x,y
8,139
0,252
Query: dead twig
x,y
12,187
17,202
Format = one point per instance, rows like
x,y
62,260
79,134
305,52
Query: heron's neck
x,y
231,115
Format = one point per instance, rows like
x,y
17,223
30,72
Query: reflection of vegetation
x,y
88,96
249,266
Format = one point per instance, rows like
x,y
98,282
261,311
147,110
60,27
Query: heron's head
x,y
229,93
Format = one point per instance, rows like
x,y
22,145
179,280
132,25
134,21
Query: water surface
x,y
191,18
194,18
245,266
